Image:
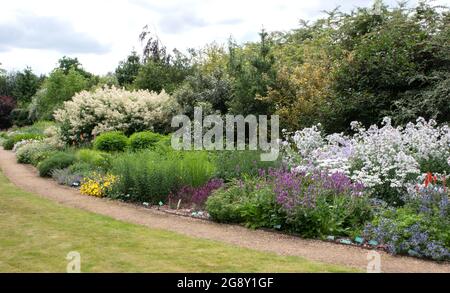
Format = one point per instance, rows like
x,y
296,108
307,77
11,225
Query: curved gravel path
x,y
25,177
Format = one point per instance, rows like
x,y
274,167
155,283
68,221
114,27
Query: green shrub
x,y
82,168
145,176
151,177
332,214
19,117
250,202
164,145
235,164
113,141
420,231
38,127
223,205
59,160
144,140
11,141
294,203
66,176
94,158
195,168
34,153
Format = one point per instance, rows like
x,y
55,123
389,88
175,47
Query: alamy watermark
x,y
207,133
374,262
74,264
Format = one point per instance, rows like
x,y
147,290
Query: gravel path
x,y
25,177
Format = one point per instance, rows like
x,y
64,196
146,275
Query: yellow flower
x,y
98,185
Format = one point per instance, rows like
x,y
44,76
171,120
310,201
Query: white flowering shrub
x,y
88,114
34,152
18,145
387,155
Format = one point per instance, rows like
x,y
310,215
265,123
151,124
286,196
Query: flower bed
x,y
373,189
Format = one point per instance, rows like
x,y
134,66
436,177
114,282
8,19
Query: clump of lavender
x,y
298,188
201,194
341,183
196,196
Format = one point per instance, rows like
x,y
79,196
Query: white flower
x,y
106,109
372,156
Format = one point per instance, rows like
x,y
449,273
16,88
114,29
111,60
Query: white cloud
x,y
102,32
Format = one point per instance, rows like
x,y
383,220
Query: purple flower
x,y
297,188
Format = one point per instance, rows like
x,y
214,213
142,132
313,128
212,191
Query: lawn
x,y
36,235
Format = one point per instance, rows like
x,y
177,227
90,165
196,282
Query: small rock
x,y
330,238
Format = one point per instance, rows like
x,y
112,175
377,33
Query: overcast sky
x,y
102,32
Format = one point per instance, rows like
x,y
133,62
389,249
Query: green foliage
x,y
397,62
19,117
58,88
235,164
250,202
435,164
419,228
128,69
252,75
12,140
160,70
253,202
38,127
144,177
195,168
156,76
66,64
83,168
94,158
392,196
113,141
58,160
66,176
144,140
26,84
34,153
331,215
223,205
206,90
148,176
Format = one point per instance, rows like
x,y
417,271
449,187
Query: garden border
x,y
25,177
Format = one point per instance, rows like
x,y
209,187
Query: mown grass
x,y
36,234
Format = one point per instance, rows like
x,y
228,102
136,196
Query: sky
x,y
100,33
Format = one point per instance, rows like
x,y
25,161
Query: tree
x,y
128,69
211,91
161,70
57,88
25,86
396,61
252,73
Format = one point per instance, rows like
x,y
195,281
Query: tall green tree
x,y
397,64
161,70
252,73
26,83
128,69
57,88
